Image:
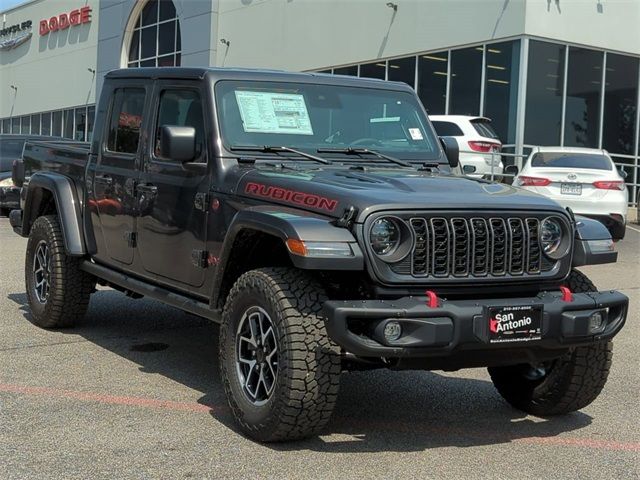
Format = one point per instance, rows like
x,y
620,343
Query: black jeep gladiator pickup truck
x,y
325,226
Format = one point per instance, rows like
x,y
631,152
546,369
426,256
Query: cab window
x,y
126,120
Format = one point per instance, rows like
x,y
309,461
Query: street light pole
x,y
13,104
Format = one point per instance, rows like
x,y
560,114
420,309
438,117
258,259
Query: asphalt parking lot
x,y
135,393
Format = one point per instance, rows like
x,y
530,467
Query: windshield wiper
x,y
277,149
364,151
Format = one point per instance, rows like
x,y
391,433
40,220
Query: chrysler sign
x,y
15,35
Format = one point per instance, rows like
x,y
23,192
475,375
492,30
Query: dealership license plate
x,y
571,189
522,323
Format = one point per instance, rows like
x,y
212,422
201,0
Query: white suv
x,y
478,142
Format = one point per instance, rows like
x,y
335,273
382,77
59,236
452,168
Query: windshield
x,y
571,160
312,117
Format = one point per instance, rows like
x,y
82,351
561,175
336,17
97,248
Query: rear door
x,y
116,173
171,196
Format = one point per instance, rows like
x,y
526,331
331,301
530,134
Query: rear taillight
x,y
484,147
609,185
525,181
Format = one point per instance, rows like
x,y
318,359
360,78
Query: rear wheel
x,y
561,386
57,290
280,371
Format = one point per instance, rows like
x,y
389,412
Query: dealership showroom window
x,y
536,90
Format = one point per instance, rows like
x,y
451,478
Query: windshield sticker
x,y
384,120
416,134
270,112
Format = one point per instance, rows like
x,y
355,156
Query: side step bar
x,y
152,291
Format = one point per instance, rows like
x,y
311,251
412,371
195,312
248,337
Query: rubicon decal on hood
x,y
291,196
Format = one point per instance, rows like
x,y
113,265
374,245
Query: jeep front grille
x,y
477,247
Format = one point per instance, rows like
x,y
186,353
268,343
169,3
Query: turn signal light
x,y
525,181
609,185
483,146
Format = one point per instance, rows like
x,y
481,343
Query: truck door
x,y
173,213
116,172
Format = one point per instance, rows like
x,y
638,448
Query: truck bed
x,y
66,157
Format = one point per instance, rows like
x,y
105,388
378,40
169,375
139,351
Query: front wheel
x,y
561,386
279,369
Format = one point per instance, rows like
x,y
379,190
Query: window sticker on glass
x,y
270,112
385,120
415,133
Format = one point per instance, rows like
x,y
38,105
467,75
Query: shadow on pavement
x,y
376,411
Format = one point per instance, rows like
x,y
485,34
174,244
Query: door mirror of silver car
x,y
451,150
511,170
622,173
178,143
469,169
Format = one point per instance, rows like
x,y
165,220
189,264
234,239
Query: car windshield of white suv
x,y
571,160
330,120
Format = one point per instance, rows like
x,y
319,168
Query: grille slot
x,y
476,247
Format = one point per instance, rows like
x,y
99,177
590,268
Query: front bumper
x,y
462,326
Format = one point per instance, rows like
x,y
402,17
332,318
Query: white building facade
x,y
547,72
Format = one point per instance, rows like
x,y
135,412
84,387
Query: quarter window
x,y
126,120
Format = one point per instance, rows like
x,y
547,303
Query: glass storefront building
x,y
537,90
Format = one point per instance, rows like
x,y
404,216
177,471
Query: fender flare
x,y
588,230
67,205
287,224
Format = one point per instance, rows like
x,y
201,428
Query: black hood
x,y
331,190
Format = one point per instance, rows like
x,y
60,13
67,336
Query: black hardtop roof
x,y
215,74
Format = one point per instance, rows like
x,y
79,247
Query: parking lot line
x,y
104,398
597,444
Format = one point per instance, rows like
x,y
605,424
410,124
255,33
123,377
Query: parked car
x,y
584,179
274,204
9,194
479,144
11,148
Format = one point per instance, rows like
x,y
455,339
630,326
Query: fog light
x,y
392,331
596,322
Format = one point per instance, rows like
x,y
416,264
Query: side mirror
x,y
451,150
468,169
17,173
178,143
622,173
511,170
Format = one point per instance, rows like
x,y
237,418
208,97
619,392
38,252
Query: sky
x,y
6,4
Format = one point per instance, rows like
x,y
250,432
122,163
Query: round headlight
x,y
384,236
553,238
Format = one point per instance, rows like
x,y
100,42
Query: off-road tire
x,y
571,382
308,376
70,287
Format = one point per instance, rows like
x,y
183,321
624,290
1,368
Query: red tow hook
x,y
567,296
432,299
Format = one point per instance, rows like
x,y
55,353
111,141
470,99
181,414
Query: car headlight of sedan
x,y
390,239
554,238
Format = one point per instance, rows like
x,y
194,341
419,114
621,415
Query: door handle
x,y
147,188
103,180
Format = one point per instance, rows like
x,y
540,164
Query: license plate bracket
x,y
571,189
517,323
